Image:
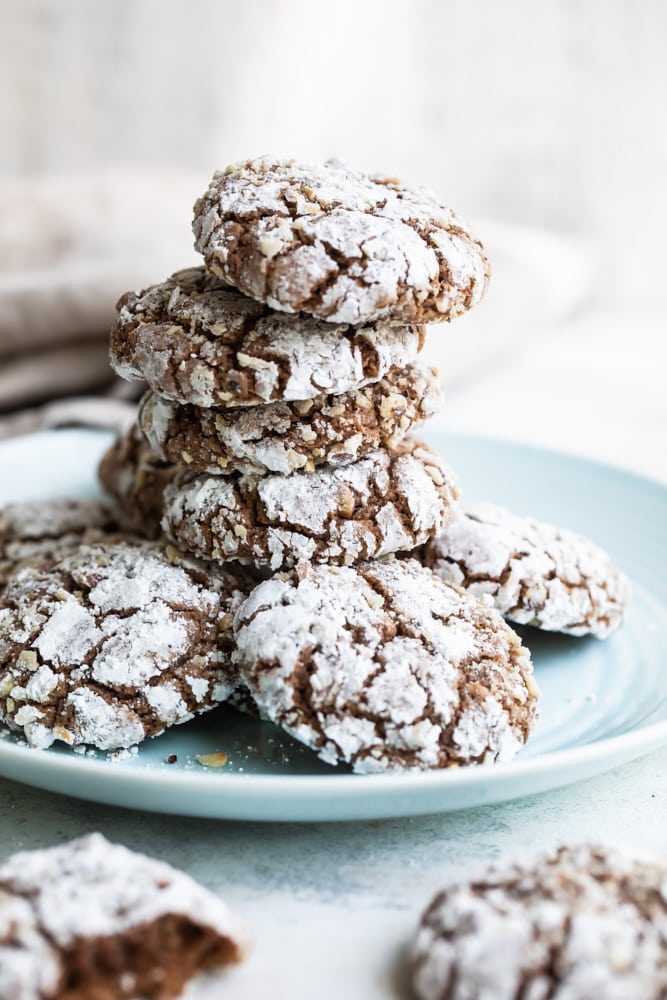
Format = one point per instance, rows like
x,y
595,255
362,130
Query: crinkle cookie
x,y
36,532
283,437
336,243
387,501
114,644
384,666
536,573
93,919
136,478
196,340
581,923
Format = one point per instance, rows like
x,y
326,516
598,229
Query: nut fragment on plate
x,y
93,919
213,759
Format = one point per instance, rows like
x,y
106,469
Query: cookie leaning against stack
x,y
284,387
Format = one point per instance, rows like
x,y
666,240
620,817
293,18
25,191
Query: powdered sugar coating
x,y
37,532
196,340
583,922
536,573
113,644
336,243
389,500
136,478
385,667
64,899
29,966
285,436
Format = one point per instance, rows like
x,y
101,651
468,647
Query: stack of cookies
x,y
307,558
284,384
284,378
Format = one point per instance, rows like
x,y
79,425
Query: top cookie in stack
x,y
337,244
283,375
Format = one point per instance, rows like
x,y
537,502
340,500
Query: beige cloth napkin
x,y
70,245
79,411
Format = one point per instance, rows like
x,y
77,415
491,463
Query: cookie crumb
x,y
213,759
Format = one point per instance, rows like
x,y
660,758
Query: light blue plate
x,y
602,703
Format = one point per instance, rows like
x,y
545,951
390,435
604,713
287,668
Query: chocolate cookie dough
x,y
336,243
283,437
384,667
387,501
93,919
536,573
196,340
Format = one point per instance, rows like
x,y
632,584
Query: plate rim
x,y
644,736
248,788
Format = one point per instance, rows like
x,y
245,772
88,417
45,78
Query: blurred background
x,y
543,124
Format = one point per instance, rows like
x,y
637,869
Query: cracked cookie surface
x,y
536,573
38,532
586,921
387,501
285,436
341,245
114,643
91,918
136,478
195,339
384,667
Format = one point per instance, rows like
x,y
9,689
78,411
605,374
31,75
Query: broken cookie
x,y
93,919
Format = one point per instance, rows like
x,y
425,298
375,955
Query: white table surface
x,y
330,907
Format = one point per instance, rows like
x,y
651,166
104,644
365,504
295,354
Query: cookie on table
x,y
90,918
114,644
537,574
338,244
582,922
36,532
385,667
136,478
196,340
283,437
387,501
